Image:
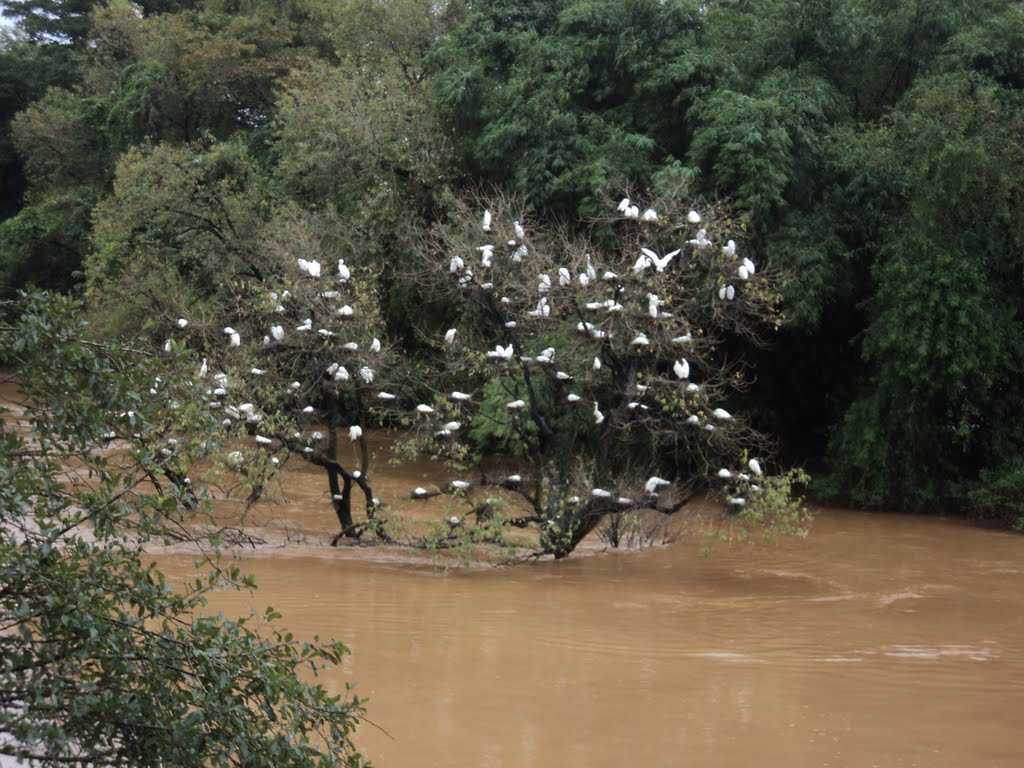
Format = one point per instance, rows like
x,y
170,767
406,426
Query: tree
x,y
103,664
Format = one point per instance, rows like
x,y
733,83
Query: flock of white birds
x,y
517,251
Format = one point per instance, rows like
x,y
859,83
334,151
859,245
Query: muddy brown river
x,y
882,640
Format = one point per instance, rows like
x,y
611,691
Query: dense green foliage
x,y
872,151
102,662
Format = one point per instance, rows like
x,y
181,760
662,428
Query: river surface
x,y
881,640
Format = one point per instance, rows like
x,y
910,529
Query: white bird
x,y
519,253
277,332
385,396
623,205
311,268
518,229
624,501
452,426
454,521
693,217
456,265
692,419
350,346
654,483
295,385
609,276
486,223
375,345
600,493
652,259
263,440
632,212
724,473
308,409
598,416
486,254
682,368
257,371
449,335
513,479
355,432
182,322
419,492
424,409
692,388
563,376
366,374
564,277
460,396
307,325
750,267
344,273
459,485
597,363
730,293
516,405
640,341
743,273
501,353
755,467
681,340
235,340
346,311
543,283
729,249
325,333
650,215
653,302
721,413
701,241
737,501
203,369
330,295
573,398
167,346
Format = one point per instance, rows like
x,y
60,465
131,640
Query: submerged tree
x,y
104,664
598,364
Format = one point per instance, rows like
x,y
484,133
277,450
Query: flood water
x,y
882,640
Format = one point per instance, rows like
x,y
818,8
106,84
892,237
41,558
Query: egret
x,y
501,353
385,396
350,346
449,335
681,340
452,426
182,322
307,325
419,492
729,249
564,277
519,253
375,345
459,485
355,432
724,473
311,268
750,267
366,374
544,283
203,369
640,341
486,254
456,265
235,340
633,212
460,396
623,205
692,388
486,223
295,385
263,440
516,405
513,479
653,302
597,363
755,467
454,521
624,501
737,501
518,229
235,458
330,295
167,346
511,324
344,273
730,293
573,398
659,263
743,273
693,217
609,276
257,371
701,240
308,409
547,356
598,416
316,437
692,419
721,413
650,215
682,368
654,483
600,493
345,311
424,409
277,332
325,333
563,376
